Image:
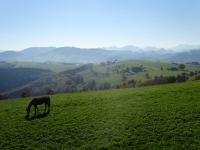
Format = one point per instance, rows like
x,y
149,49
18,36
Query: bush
x,y
192,73
49,92
181,66
137,69
197,77
25,93
105,85
182,78
3,96
147,76
131,83
171,79
162,80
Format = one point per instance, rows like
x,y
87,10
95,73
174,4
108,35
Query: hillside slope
x,y
100,76
17,74
97,55
156,117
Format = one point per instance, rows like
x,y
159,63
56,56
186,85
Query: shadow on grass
x,y
37,116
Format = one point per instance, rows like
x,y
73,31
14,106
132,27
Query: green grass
x,y
55,67
154,117
152,68
113,74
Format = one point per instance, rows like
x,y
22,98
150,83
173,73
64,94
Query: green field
x,y
54,67
153,68
154,117
63,77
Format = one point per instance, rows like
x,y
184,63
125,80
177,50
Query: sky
x,y
98,23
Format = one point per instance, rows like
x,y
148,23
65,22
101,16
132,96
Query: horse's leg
x,y
45,108
48,108
35,109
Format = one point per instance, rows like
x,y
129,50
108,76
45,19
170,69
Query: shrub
x,y
3,96
181,66
171,79
25,93
197,77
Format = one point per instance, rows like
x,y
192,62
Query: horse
x,y
39,101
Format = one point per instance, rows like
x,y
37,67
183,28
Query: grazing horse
x,y
39,101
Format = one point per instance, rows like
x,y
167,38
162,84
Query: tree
x,y
25,93
147,76
124,77
182,66
131,83
77,79
138,83
91,84
49,91
197,77
171,79
192,73
105,85
3,96
181,78
137,69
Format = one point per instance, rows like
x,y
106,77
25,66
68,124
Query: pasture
x,y
154,117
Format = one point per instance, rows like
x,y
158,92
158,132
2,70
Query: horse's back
x,y
41,100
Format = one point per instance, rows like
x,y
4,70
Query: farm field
x,y
153,117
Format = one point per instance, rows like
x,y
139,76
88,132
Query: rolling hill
x,y
98,55
64,55
154,117
11,78
80,77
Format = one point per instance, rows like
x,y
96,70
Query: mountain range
x,y
97,55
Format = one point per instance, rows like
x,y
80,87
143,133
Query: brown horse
x,y
39,101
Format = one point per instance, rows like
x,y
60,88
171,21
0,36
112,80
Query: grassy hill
x,y
19,74
74,77
154,117
115,71
54,67
11,78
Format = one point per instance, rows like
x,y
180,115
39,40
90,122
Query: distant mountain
x,y
9,56
135,48
35,51
65,54
125,48
78,55
185,47
24,55
187,56
97,55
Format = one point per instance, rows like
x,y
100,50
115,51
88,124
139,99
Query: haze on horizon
x,y
98,23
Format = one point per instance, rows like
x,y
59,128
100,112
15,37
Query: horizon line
x,y
106,47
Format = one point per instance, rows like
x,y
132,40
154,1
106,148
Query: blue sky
x,y
98,23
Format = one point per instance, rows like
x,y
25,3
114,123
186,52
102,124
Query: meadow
x,y
153,117
153,68
39,78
